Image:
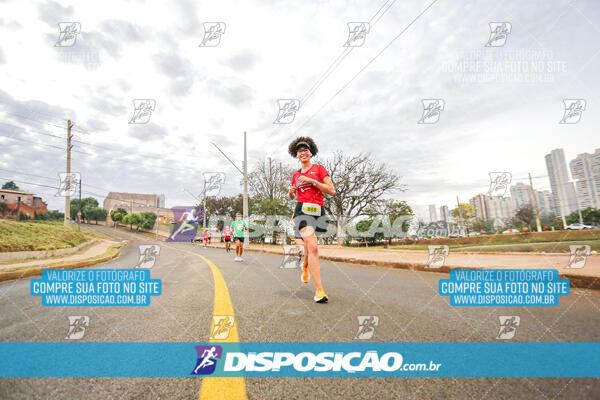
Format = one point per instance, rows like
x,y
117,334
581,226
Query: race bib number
x,y
311,209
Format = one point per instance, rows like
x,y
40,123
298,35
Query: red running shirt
x,y
306,192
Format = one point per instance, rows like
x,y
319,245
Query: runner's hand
x,y
303,178
292,192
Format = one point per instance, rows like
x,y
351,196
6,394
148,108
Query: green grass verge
x,y
39,235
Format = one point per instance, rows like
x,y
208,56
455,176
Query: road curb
x,y
576,281
13,275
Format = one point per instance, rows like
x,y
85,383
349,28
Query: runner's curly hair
x,y
303,141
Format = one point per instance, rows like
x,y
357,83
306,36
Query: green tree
x,y
87,204
525,215
465,214
10,185
393,209
117,215
590,216
480,224
147,219
96,213
128,220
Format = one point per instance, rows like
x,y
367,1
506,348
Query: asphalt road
x,y
271,304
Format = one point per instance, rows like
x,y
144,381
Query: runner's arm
x,y
326,186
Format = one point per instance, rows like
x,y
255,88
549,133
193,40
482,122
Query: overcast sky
x,y
493,119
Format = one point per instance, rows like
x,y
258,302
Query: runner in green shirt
x,y
239,226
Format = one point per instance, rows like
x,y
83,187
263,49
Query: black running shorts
x,y
301,220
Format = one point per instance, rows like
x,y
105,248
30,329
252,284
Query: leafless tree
x,y
360,181
270,179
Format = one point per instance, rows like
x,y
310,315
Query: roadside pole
x,y
68,183
461,229
245,206
536,209
79,213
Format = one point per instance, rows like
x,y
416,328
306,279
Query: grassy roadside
x,y
81,250
24,272
504,239
39,235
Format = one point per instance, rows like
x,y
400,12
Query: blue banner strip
x,y
181,359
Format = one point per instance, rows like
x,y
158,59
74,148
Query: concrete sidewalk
x,y
97,249
586,277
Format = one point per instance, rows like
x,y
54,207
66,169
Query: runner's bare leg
x,y
311,244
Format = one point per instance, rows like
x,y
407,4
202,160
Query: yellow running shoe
x,y
305,274
321,297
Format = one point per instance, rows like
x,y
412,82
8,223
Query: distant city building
x,y
480,205
137,202
562,190
521,194
545,202
586,169
20,202
133,202
433,213
496,208
445,213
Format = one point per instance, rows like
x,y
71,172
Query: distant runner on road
x,y
227,232
239,227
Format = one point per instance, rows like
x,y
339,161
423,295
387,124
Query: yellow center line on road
x,y
216,387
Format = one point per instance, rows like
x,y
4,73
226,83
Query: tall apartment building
x,y
433,213
497,208
586,169
521,194
445,213
562,190
545,201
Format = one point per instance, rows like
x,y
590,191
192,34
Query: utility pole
x,y
245,175
157,221
245,205
536,209
68,183
459,216
79,213
204,208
